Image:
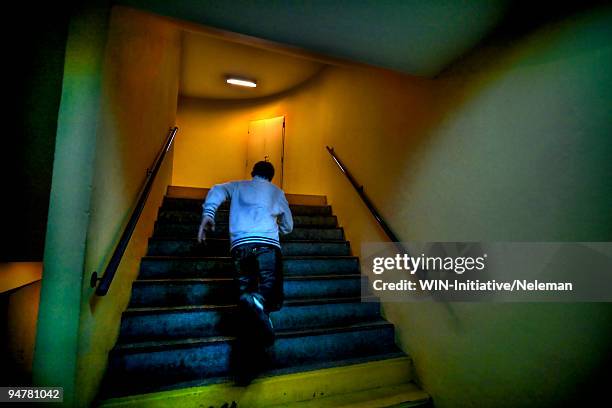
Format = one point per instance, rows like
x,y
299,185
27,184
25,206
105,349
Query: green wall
x,y
55,358
119,97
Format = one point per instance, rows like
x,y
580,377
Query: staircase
x,y
175,342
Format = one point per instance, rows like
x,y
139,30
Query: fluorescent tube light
x,y
241,82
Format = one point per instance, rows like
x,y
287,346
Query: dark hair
x,y
263,169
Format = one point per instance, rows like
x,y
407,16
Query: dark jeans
x,y
259,269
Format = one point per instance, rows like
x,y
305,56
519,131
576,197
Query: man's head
x,y
263,169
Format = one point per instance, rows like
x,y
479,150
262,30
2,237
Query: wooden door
x,y
266,143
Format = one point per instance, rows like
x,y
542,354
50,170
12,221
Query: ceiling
x,y
418,37
206,61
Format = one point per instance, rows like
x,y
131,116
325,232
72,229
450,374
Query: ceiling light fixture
x,y
241,82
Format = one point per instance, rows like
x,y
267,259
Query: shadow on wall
x,y
521,153
526,137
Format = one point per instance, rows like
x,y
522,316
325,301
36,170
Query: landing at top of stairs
x,y
200,193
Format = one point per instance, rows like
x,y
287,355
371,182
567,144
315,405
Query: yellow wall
x,y
20,297
21,308
348,108
521,153
17,274
140,88
512,144
513,150
212,146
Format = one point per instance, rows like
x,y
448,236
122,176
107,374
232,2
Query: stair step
x,y
399,396
199,267
183,292
169,230
222,217
153,364
301,387
199,193
220,246
191,205
165,323
177,343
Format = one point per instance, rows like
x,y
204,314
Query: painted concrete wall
x,y
19,308
138,107
17,274
516,149
118,103
19,300
512,144
212,146
522,153
352,109
55,355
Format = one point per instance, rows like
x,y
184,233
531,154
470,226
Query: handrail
x,y
420,273
359,188
113,264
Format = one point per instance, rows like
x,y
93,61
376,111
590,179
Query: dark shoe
x,y
252,303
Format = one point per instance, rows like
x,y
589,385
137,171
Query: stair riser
x,y
201,323
222,248
163,230
186,268
170,204
182,217
147,370
167,293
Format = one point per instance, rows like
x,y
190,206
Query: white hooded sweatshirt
x,y
258,210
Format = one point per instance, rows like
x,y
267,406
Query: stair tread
x,y
222,218
224,389
164,208
339,363
226,209
199,201
206,280
164,344
287,303
393,395
301,227
197,205
305,231
296,229
216,257
225,224
199,193
288,241
314,211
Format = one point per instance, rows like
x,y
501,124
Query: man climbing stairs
x,y
176,338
